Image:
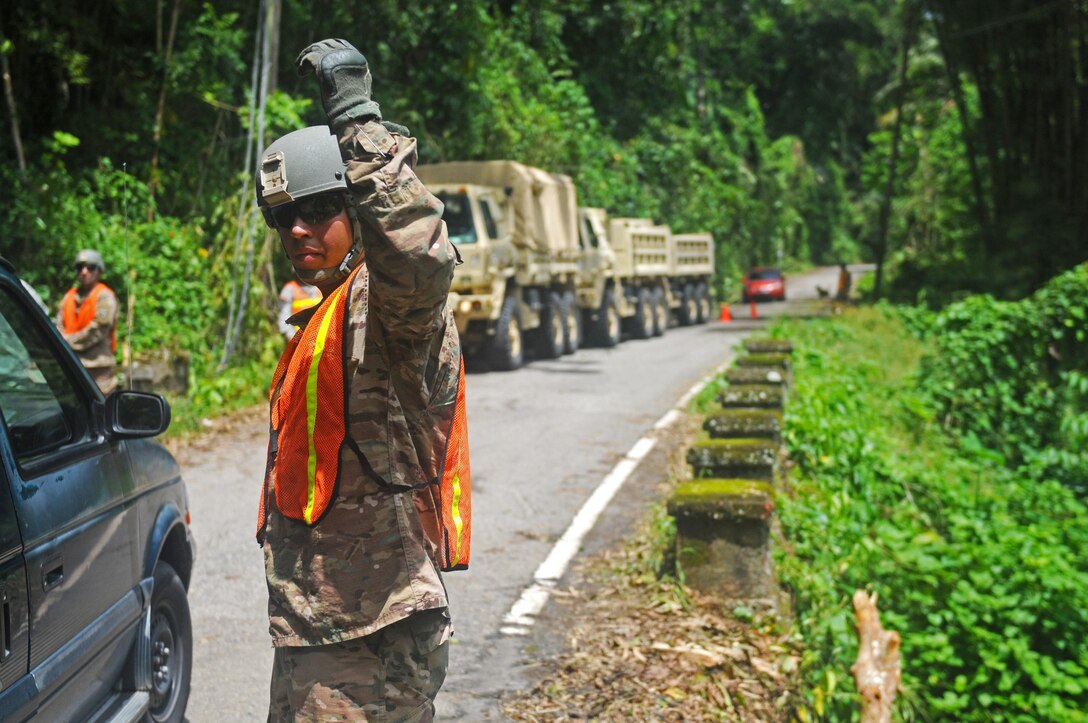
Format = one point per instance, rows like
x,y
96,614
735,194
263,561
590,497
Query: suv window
x,y
40,404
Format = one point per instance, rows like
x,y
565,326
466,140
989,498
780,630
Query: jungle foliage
x,y
948,477
772,125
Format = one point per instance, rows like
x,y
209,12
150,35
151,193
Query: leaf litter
x,y
643,647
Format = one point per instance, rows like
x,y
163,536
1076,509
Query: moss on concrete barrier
x,y
743,458
762,346
755,375
769,359
744,422
723,537
753,395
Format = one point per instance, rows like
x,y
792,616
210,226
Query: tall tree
x,y
1027,61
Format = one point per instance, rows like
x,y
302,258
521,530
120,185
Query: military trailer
x,y
639,277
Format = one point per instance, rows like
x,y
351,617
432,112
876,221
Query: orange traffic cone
x,y
725,315
755,313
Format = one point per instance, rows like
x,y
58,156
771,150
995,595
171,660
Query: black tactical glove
x,y
344,78
397,128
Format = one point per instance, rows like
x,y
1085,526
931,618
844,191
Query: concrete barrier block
x,y
763,346
742,422
753,395
161,371
769,359
723,540
755,375
733,458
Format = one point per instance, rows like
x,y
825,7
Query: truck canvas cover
x,y
544,205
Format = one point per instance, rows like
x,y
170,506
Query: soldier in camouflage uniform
x,y
358,611
92,336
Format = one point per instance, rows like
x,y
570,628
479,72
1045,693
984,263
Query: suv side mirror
x,y
136,414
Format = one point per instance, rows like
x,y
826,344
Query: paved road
x,y
542,439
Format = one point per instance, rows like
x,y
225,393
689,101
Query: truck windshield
x,y
458,217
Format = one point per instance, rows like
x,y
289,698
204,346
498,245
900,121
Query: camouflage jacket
x,y
368,563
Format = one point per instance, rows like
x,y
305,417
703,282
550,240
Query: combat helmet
x,y
304,163
91,258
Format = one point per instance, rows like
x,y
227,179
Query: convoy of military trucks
x,y
539,270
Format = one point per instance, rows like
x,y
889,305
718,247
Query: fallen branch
x,y
877,670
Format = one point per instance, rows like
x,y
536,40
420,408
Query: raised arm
x,y
408,255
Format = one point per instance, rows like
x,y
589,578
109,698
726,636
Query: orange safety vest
x,y
77,320
309,419
300,299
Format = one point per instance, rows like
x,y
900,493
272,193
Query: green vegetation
x,y
919,474
945,140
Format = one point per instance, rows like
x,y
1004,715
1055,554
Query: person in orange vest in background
x,y
365,498
88,320
295,297
842,289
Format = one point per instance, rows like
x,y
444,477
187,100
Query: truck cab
x,y
516,229
476,223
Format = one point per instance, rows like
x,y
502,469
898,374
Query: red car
x,y
764,282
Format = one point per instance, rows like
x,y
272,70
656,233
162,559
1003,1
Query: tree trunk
x,y
160,111
982,214
878,667
13,115
880,247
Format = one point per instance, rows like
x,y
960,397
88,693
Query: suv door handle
x,y
52,573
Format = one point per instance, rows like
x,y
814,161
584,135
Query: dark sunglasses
x,y
313,210
80,266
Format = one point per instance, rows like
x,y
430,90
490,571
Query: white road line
x,y
523,613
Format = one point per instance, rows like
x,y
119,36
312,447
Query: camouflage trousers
x,y
391,675
105,378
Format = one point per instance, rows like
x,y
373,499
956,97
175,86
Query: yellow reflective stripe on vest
x,y
457,521
311,404
298,305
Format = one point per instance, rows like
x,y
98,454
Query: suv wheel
x,y
171,648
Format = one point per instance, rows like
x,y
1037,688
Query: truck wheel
x,y
702,303
661,311
171,648
506,352
643,321
550,333
689,310
572,323
608,329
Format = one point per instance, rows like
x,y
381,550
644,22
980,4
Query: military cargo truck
x,y
516,229
538,270
638,277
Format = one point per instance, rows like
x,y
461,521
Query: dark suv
x,y
95,547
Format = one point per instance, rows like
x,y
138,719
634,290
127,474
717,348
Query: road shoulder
x,y
621,643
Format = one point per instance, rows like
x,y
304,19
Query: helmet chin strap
x,y
352,259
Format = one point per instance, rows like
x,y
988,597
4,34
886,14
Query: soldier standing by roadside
x,y
364,411
88,320
842,289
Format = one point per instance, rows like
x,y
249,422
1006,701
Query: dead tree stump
x,y
877,670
